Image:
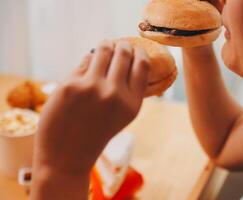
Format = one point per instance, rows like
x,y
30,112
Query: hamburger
x,y
182,23
163,71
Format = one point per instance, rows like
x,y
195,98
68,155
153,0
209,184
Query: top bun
x,y
182,14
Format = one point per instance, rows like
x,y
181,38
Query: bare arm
x,y
50,185
216,117
73,128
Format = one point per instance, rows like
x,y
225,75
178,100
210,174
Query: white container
x,y
17,130
15,153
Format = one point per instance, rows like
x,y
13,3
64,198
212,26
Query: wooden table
x,y
166,152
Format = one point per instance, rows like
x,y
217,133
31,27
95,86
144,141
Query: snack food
x,y
27,95
18,122
163,69
183,23
30,95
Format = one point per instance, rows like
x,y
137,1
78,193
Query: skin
x,y
91,106
217,118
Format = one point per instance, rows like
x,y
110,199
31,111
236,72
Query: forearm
x,y
48,186
212,109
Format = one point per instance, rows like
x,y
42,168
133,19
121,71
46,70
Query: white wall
x,y
62,31
14,54
51,36
126,14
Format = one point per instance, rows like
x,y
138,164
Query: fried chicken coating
x,y
27,95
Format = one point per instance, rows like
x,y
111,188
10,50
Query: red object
x,y
96,189
132,183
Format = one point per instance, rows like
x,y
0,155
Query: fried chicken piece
x,y
39,108
27,95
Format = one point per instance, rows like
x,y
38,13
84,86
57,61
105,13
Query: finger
x,y
84,65
139,73
121,63
101,59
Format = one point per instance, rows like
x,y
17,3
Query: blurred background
x,y
46,39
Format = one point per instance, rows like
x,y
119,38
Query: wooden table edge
x,y
209,183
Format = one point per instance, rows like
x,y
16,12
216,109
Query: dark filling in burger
x,y
145,26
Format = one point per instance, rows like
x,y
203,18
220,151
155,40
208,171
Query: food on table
x,y
30,95
18,122
27,95
163,71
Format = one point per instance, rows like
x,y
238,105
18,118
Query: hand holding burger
x,y
162,69
90,107
82,115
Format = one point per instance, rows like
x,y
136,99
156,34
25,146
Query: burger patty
x,y
145,26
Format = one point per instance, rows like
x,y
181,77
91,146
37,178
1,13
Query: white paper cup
x,y
15,153
16,150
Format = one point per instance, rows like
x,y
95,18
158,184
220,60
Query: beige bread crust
x,y
159,88
182,14
182,41
163,69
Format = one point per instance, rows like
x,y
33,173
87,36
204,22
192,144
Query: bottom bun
x,y
160,87
182,41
